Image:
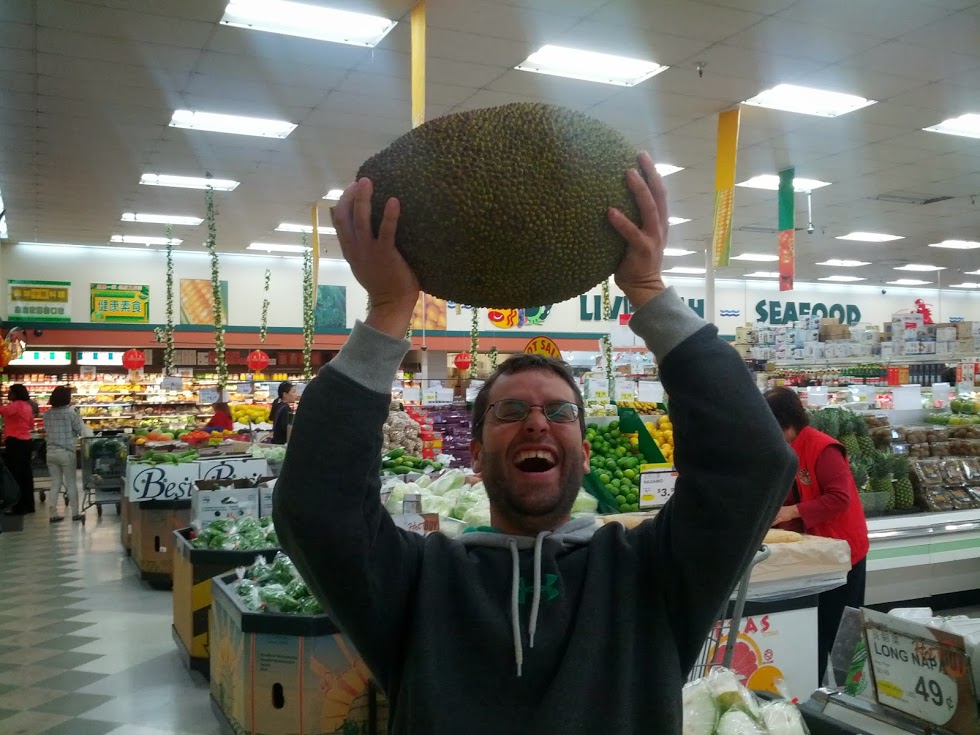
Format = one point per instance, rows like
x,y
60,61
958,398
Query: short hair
x,y
60,396
221,406
18,392
788,409
284,388
522,364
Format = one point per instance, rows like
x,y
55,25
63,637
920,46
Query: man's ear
x,y
586,455
475,449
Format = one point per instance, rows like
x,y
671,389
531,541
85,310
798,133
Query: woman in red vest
x,y
822,502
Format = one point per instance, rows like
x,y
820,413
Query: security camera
x,y
809,229
424,348
38,332
883,292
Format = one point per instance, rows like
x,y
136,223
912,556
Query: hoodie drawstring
x,y
536,598
515,615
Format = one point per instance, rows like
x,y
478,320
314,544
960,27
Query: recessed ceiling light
x,y
807,100
683,269
308,229
756,257
956,244
160,219
869,237
334,194
236,124
918,267
678,252
590,66
844,263
842,279
188,182
972,273
763,274
908,282
965,285
144,240
666,169
272,247
771,182
966,125
307,21
677,220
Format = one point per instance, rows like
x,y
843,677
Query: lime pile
x,y
616,464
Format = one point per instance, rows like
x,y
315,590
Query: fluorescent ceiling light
x,y
3,220
188,182
590,66
956,244
677,220
763,274
307,21
272,247
160,219
666,169
235,124
837,263
972,273
334,194
308,229
771,182
678,252
918,267
808,100
756,257
144,240
869,237
842,279
965,285
682,269
966,125
908,282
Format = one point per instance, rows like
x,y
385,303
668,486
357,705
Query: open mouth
x,y
535,461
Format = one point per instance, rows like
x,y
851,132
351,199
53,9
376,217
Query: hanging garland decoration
x,y
307,310
168,348
474,340
493,358
219,325
264,327
606,339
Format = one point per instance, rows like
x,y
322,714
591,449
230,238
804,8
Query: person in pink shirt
x,y
18,422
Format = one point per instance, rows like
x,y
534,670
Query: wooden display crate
x,y
280,674
153,523
193,570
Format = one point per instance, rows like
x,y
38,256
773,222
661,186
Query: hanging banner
x,y
39,301
721,241
787,229
418,63
116,302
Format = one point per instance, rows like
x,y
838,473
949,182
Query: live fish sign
x,y
543,346
517,318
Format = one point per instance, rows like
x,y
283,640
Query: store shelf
x,y
109,416
867,360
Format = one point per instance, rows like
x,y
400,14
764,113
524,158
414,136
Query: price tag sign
x,y
411,395
430,396
208,395
921,672
172,383
597,389
651,391
625,390
656,485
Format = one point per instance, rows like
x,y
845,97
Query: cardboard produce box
x,y
193,570
215,500
280,674
154,522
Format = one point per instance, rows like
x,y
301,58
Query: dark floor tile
x,y
5,713
81,727
73,704
70,660
64,626
70,681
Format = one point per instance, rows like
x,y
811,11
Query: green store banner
x,y
119,303
39,301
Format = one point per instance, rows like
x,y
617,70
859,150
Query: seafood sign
x,y
517,318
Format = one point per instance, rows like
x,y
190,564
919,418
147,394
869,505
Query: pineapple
x,y
848,436
866,444
880,471
904,495
859,471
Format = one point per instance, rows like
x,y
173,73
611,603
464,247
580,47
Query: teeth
x,y
537,454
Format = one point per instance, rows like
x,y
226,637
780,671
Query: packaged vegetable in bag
x,y
783,718
736,722
451,480
274,597
699,708
729,692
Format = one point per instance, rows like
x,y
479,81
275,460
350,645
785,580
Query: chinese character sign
x,y
119,302
39,301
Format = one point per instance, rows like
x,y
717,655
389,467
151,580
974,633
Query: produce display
x,y
154,458
615,462
401,431
718,704
276,588
244,534
482,190
250,413
396,462
644,407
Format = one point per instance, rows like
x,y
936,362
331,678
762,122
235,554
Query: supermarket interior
x,y
168,173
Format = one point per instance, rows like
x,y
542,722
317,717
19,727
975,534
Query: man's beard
x,y
542,511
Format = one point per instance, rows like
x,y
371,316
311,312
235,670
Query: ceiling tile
x,y
957,33
493,19
123,24
912,61
881,18
687,18
16,36
475,49
633,41
802,40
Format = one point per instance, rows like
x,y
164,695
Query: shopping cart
x,y
719,649
103,470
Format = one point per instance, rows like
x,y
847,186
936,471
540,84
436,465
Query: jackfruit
x,y
506,207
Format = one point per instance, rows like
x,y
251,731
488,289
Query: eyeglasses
x,y
511,410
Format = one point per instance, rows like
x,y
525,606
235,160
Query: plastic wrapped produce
x,y
700,709
401,431
719,704
736,722
783,718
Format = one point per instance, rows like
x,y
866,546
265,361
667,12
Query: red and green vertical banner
x,y
787,229
721,241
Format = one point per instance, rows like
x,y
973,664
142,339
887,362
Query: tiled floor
x,y
85,647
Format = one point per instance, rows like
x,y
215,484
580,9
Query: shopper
x,y
281,413
62,427
222,419
18,424
553,628
287,395
823,501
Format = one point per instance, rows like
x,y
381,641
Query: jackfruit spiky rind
x,y
507,206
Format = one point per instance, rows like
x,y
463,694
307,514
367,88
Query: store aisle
x,y
85,647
